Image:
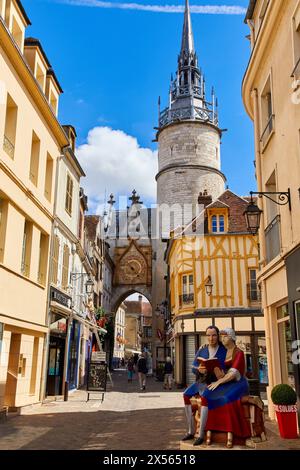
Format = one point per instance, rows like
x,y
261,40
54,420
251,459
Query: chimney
x,y
204,198
140,299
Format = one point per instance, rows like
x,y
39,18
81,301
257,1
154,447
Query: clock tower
x,y
189,137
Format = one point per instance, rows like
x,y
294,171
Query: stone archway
x,y
122,292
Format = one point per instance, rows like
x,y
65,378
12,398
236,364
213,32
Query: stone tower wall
x,y
189,143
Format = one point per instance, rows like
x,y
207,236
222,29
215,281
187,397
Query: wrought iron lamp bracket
x,y
284,198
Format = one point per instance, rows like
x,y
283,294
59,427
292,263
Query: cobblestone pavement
x,y
127,420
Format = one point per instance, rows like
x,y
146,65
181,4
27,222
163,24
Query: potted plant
x,y
284,398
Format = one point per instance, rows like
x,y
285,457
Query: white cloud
x,y
200,9
114,161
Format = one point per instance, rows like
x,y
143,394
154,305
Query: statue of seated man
x,y
204,377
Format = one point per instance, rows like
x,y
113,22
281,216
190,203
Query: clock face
x,y
133,269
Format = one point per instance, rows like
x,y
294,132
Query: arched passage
x,y
122,292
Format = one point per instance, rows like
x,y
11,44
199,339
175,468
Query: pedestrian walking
x,y
168,374
130,369
142,370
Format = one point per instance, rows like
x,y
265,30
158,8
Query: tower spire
x,y
187,100
187,43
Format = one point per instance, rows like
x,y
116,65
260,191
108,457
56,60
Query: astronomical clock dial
x,y
133,270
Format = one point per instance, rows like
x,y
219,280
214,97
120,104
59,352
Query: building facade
x,y
31,140
212,280
271,97
66,307
119,340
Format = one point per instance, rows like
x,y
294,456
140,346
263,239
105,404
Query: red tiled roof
x,y
133,306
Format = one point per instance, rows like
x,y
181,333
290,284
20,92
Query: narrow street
x,y
127,419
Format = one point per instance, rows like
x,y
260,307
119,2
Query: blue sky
x,y
113,64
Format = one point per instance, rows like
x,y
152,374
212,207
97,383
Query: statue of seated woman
x,y
221,408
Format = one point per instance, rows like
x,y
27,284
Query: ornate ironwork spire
x,y
187,43
187,99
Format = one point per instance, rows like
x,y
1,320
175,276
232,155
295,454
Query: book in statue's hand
x,y
209,364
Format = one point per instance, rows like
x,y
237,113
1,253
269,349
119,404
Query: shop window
x,y
34,159
262,361
11,115
285,346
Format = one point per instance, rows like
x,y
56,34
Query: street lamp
x,y
209,286
253,213
89,285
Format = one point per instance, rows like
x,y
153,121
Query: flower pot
x,y
287,421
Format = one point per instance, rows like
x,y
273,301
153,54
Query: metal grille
x,y
190,346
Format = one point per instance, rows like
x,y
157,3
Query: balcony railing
x,y
254,294
8,146
272,236
186,299
268,130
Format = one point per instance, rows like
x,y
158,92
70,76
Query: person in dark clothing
x,y
142,370
168,374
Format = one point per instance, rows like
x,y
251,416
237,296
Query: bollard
x,y
66,391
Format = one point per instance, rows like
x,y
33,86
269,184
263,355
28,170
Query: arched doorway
x,y
133,327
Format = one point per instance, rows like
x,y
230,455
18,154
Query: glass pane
x,y
214,224
282,312
221,223
285,348
244,343
262,361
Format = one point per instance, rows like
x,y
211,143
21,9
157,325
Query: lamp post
x,y
253,213
209,286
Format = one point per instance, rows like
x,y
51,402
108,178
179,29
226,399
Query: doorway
x,y
55,365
